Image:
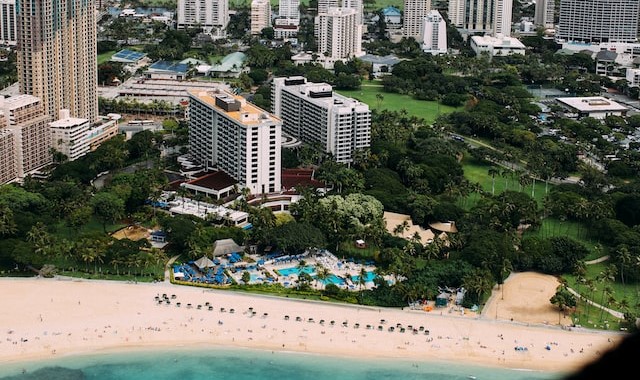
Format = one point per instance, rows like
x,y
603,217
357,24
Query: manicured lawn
x,y
94,226
426,110
106,56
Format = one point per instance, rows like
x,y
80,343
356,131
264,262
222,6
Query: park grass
x,y
426,110
105,57
93,226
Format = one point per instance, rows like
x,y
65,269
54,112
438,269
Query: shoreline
x,y
50,318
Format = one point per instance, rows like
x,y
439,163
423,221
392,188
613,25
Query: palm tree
x,y
7,224
493,171
625,257
322,273
362,281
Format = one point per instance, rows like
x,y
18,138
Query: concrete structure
x,y
499,45
289,9
314,114
415,11
285,28
69,135
8,165
8,23
167,70
596,107
26,120
104,129
210,15
338,34
633,77
596,21
357,5
502,17
456,12
228,133
260,15
545,13
57,59
392,16
434,34
380,65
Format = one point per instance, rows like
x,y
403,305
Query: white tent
x,y
225,246
204,262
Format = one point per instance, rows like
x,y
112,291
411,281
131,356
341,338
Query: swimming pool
x,y
369,277
333,279
295,270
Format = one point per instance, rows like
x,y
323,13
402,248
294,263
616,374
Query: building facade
x,y
502,15
8,22
314,114
260,15
57,59
210,15
69,135
545,13
26,120
230,134
338,34
8,167
596,21
415,12
434,34
289,9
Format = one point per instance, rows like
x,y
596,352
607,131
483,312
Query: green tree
x,y
107,207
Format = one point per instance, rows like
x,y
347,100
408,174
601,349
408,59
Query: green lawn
x,y
396,102
94,226
106,56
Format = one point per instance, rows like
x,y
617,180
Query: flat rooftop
x,y
248,114
592,104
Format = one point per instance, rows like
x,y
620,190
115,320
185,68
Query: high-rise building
x,y
8,169
260,15
415,12
8,22
595,21
434,34
56,55
456,12
545,13
210,15
230,134
26,120
289,9
502,14
70,135
338,34
314,114
357,5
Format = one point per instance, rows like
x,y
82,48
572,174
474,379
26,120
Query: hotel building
x,y
482,16
434,34
210,15
228,133
69,135
415,11
314,114
56,55
8,23
26,121
8,169
260,15
545,13
597,21
338,34
289,9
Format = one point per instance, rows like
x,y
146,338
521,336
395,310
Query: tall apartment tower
x,y
56,53
595,21
415,12
314,114
260,15
502,14
26,120
456,12
8,23
338,34
210,15
434,34
228,133
545,13
8,165
289,9
357,5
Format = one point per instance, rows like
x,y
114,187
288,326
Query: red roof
x,y
292,178
214,181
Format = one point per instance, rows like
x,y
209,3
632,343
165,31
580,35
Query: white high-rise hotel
x,y
434,34
228,133
57,59
415,12
260,15
338,34
482,16
289,9
596,21
210,15
314,114
8,22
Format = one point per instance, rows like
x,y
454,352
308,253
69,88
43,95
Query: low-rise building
x,y
596,107
69,135
497,46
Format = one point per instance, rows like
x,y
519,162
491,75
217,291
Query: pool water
x,y
369,277
295,270
333,279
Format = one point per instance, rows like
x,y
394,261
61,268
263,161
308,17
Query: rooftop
x,y
175,67
239,109
127,56
292,178
231,62
592,104
216,181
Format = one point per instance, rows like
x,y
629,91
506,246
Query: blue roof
x,y
128,55
391,11
170,66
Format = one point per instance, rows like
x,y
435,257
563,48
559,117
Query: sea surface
x,y
244,364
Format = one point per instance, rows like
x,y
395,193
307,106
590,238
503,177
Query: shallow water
x,y
241,364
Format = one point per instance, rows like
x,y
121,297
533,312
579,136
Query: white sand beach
x,y
43,318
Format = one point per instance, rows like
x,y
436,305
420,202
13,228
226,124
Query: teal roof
x,y
229,61
391,11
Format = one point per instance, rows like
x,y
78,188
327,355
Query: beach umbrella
x,y
286,317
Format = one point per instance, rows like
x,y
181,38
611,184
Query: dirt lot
x,y
131,233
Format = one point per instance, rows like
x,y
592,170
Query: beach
x,y
48,318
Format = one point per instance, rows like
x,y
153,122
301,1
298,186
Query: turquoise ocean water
x,y
241,364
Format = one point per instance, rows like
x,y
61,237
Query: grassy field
x,y
106,56
396,102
